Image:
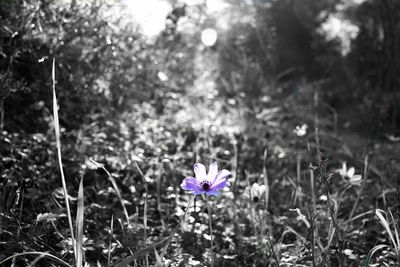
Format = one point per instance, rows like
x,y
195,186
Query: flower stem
x,y
211,234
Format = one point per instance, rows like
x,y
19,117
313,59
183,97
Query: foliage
x,y
135,116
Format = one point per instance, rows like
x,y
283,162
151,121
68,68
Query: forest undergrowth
x,y
298,195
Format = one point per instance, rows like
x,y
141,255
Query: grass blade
x,y
145,208
109,242
114,184
371,253
58,143
79,226
265,174
396,233
159,262
385,224
364,183
45,254
167,240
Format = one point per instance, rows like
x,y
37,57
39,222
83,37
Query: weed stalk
x,y
58,144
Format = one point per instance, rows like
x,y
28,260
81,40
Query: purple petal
x,y
197,191
221,176
220,185
217,187
200,171
190,183
213,171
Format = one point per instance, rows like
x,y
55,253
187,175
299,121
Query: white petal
x,y
262,189
200,171
356,179
213,171
255,189
221,176
351,172
344,169
246,192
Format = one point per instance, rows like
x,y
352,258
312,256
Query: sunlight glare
x,y
216,5
149,14
209,36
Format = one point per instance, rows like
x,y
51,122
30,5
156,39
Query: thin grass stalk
x,y
316,118
334,115
235,174
364,183
271,245
115,186
236,149
265,176
79,225
251,198
35,261
129,259
211,231
1,114
159,261
35,253
20,193
311,208
234,188
298,176
273,250
58,143
332,211
158,189
312,216
396,234
145,209
184,217
260,220
266,183
360,216
109,241
312,186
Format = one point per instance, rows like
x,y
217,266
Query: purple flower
x,y
208,184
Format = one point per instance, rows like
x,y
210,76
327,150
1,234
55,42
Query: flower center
x,y
255,199
205,185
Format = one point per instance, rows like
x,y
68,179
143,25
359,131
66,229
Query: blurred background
x,y
236,56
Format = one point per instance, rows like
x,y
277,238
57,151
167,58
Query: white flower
x,y
349,174
255,192
301,130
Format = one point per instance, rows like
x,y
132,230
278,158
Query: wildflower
x,y
255,192
349,174
301,130
208,184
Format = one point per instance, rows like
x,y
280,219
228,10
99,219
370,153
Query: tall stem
x,y
1,114
211,231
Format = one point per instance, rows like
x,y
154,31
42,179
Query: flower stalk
x,y
208,184
211,231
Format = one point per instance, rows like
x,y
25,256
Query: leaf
x,y
79,225
58,144
385,224
371,253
